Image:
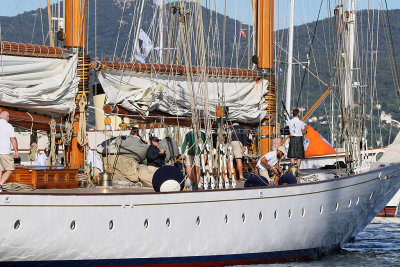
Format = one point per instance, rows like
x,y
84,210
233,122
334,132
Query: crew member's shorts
x,y
264,172
237,149
6,162
192,160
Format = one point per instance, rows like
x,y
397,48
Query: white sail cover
x,y
45,85
142,93
392,152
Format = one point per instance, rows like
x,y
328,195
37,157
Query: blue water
x,y
377,245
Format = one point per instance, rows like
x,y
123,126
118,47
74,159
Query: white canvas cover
x,y
172,94
45,85
392,152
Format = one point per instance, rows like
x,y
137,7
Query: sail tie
x,y
52,156
82,138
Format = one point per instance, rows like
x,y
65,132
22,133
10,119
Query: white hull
x,y
45,235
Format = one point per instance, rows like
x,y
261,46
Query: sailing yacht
x,y
106,226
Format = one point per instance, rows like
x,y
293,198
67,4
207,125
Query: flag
x,y
243,34
143,47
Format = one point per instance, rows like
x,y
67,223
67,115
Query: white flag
x,y
144,47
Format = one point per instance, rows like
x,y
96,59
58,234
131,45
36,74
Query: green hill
x,y
27,28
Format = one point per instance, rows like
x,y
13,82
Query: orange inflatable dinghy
x,y
315,144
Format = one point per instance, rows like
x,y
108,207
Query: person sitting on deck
x,y
270,162
155,156
135,133
179,163
41,160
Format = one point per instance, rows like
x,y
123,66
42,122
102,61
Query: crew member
x,y
7,137
270,161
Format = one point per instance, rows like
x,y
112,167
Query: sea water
x,y
377,245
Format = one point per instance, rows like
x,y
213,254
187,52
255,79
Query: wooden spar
x,y
31,50
75,23
50,23
311,109
28,120
265,31
264,55
178,69
75,39
156,116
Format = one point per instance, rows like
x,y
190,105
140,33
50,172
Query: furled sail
x,y
44,85
145,92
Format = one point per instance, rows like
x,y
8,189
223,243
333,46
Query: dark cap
x,y
155,139
134,130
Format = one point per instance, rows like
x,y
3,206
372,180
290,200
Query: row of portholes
x,y
17,223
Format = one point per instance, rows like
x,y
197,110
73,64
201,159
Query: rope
x,y
52,155
82,137
33,150
17,187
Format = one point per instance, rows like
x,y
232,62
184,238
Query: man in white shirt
x,y
270,161
7,137
42,158
297,130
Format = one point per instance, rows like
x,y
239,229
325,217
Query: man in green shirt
x,y
192,155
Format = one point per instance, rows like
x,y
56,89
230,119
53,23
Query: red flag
x,y
243,34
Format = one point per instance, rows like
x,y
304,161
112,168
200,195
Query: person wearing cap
x,y
41,160
155,156
297,129
135,133
270,162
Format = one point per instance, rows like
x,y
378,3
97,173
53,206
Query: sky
x,y
305,10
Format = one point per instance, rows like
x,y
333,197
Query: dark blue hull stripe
x,y
248,258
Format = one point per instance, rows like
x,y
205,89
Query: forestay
x,y
44,85
142,92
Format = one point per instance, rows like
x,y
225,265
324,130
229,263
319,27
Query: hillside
x,y
27,28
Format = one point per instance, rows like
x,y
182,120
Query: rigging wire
x,y
309,51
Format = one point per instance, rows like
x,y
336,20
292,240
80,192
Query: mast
x,y
50,23
350,15
264,61
75,40
290,59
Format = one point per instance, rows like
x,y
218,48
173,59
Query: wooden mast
x,y
264,60
75,40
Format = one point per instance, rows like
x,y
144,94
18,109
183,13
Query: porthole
x,y
243,217
358,200
276,215
73,225
111,225
198,221
17,224
303,212
290,213
146,223
349,203
168,222
260,216
321,209
370,196
226,219
337,206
